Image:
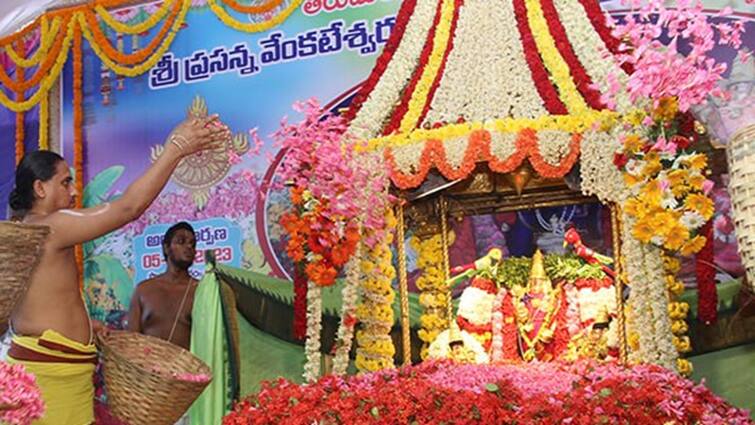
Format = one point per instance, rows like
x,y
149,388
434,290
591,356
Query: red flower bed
x,y
533,393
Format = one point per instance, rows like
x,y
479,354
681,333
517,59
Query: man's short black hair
x,y
172,232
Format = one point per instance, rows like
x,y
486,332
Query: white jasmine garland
x,y
486,74
379,104
592,53
599,175
314,326
345,333
554,145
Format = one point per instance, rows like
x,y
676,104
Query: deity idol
x,y
534,318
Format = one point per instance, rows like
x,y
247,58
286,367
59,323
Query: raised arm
x,y
71,227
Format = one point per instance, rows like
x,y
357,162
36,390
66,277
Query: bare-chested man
x,y
53,335
161,306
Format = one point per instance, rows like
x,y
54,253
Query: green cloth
x,y
727,294
209,343
730,373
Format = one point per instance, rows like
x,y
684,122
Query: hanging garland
x,y
345,333
375,347
252,27
139,28
78,136
254,9
132,71
707,297
47,82
57,29
180,8
20,115
434,293
45,43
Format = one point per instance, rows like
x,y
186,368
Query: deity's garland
x,y
434,293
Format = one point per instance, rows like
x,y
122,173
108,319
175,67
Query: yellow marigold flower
x,y
643,231
676,237
697,161
700,203
662,222
651,192
696,181
635,117
631,180
680,191
693,246
637,207
671,264
633,143
684,367
677,177
652,166
666,110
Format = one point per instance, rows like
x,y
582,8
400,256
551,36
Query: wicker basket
x,y
20,249
741,157
139,394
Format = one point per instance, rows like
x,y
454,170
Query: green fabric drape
x,y
209,342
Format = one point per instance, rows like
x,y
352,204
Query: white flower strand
x,y
600,177
590,50
486,75
314,326
380,102
345,333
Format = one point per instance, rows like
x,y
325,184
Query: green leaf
x,y
375,412
605,392
491,387
97,189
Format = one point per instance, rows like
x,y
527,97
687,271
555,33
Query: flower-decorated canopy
x,y
500,81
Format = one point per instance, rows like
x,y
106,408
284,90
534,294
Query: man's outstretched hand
x,y
198,134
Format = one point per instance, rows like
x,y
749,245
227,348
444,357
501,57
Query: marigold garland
x,y
78,136
478,149
48,35
402,18
408,93
158,41
547,91
19,116
57,28
44,118
46,83
253,9
433,289
139,28
43,70
252,27
375,347
441,46
551,57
